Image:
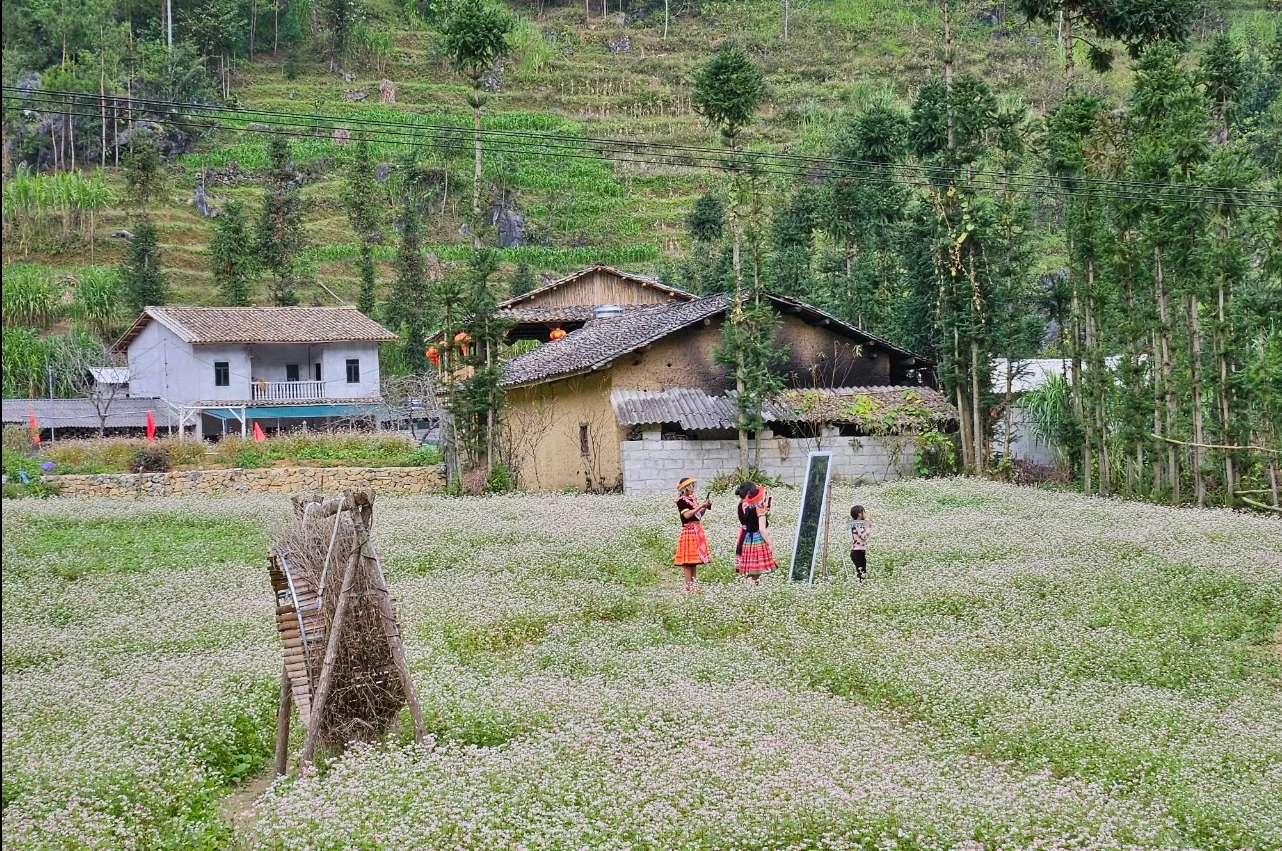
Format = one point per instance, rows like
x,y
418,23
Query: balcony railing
x,y
286,391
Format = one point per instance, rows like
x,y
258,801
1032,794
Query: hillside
x,y
612,76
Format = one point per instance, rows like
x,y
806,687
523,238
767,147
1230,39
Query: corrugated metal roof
x,y
109,374
1032,373
694,409
123,412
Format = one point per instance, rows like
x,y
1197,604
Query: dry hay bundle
x,y
365,691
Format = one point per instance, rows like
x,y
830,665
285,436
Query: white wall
x,y
162,364
651,465
1024,445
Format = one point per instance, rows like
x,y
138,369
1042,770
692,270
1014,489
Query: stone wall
x,y
652,465
383,480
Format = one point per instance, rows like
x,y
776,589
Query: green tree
x,y
364,213
727,93
408,309
477,402
522,281
474,36
231,255
1135,23
279,238
145,178
341,17
140,274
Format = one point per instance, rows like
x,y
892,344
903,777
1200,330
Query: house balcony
x,y
286,391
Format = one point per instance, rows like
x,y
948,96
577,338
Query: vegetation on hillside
x,y
1099,185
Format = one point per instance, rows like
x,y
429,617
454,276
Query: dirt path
x,y
238,807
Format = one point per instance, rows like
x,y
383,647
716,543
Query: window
x,y
583,441
291,372
318,378
222,373
353,371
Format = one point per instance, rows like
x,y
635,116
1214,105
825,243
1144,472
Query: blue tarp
x,y
293,412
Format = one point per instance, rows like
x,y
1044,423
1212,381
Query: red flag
x,y
151,426
258,432
35,429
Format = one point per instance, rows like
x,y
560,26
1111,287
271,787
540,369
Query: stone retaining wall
x,y
652,465
383,481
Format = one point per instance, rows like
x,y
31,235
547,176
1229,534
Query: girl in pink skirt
x,y
752,556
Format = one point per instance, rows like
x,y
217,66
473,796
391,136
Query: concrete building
x,y
223,368
633,397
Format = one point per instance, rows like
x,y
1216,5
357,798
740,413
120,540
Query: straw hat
x,y
686,482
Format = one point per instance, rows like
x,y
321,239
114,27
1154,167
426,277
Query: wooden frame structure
x,y
310,644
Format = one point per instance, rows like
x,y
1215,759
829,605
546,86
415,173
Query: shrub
x,y
150,459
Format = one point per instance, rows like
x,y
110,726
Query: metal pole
x,y
53,430
169,17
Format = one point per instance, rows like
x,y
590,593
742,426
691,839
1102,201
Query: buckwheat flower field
x,y
1023,670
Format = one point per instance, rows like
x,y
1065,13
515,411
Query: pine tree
x,y
145,179
231,256
476,403
408,308
364,214
522,281
279,238
140,275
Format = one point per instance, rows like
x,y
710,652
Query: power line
x,y
450,138
444,136
577,142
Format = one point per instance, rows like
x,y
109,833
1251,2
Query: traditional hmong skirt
x,y
754,555
692,546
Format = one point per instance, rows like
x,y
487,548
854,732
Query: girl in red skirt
x,y
752,556
692,545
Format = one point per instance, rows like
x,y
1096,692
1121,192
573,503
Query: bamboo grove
x,y
1149,263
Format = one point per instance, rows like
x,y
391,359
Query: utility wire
x,y
579,141
446,137
397,133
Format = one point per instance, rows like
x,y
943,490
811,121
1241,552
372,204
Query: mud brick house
x,y
631,396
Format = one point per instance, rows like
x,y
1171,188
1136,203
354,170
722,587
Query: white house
x,y
277,365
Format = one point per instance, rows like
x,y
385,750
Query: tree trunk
x,y
666,3
1069,61
253,26
476,164
1222,385
102,105
1168,386
489,415
1195,380
948,75
785,19
981,453
1075,381
1010,381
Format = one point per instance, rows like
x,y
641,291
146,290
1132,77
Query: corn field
x,y
40,209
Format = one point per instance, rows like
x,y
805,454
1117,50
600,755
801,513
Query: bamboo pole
x,y
282,723
331,658
392,633
1217,445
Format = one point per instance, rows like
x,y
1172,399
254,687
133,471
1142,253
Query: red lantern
x,y
462,337
434,356
557,333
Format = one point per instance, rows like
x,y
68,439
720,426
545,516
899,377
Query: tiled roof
x,y
598,343
644,280
123,412
565,313
695,409
203,325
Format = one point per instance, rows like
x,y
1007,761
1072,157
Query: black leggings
x,y
860,558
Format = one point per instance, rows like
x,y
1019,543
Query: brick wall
x,y
651,465
383,480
